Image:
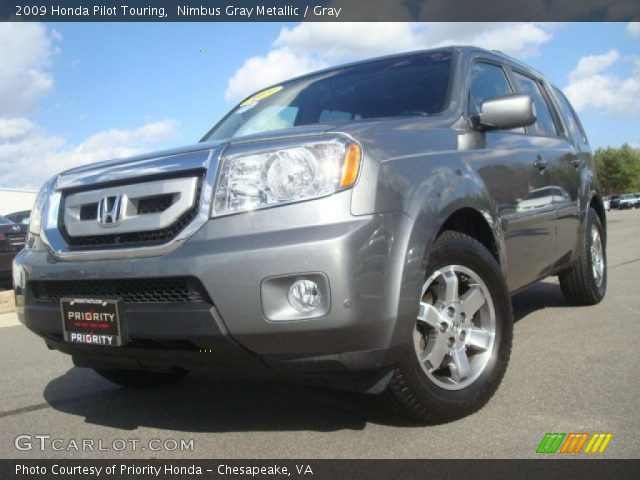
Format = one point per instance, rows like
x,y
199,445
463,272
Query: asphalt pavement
x,y
573,369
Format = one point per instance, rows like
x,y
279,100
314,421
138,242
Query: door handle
x,y
540,163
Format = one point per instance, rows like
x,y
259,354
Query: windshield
x,y
415,85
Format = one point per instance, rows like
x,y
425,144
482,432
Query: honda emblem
x,y
110,211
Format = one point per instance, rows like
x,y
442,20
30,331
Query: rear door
x,y
508,165
573,165
559,158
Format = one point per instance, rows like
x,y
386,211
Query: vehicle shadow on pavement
x,y
546,294
203,403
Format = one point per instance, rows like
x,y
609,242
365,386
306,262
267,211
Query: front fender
x,y
448,187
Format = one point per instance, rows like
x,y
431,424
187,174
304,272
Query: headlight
x,y
35,221
249,181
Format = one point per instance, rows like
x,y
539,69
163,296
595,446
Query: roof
x,y
452,48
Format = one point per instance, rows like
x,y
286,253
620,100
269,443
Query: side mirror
x,y
505,112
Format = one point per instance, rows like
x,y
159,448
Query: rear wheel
x,y
139,378
586,282
461,341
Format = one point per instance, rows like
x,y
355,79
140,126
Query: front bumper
x,y
373,294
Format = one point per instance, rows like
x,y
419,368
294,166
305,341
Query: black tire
x,y
139,378
579,284
410,392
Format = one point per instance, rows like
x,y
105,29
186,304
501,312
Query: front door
x,y
518,181
562,164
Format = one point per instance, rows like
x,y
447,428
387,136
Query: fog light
x,y
304,295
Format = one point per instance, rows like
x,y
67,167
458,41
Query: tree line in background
x,y
618,169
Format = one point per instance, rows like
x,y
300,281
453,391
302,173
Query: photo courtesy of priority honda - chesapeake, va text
x,y
361,227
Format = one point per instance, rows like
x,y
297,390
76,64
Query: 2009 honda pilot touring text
x,y
361,227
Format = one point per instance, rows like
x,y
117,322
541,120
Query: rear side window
x,y
570,117
487,80
545,124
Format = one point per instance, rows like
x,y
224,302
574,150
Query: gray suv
x,y
360,227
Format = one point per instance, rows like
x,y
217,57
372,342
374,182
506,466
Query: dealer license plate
x,y
91,321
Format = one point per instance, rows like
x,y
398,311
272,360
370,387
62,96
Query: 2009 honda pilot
x,y
361,227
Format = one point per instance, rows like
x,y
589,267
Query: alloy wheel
x,y
454,336
597,255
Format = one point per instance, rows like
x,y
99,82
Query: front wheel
x,y
461,340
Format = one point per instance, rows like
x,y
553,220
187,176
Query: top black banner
x,y
318,10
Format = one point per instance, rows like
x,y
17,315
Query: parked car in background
x,y
356,227
636,200
20,218
627,201
607,203
12,240
615,201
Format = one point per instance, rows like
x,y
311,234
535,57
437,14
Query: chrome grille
x,y
149,219
108,186
89,212
155,204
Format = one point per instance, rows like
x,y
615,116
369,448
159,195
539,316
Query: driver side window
x,y
487,80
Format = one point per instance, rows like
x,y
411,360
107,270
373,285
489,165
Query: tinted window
x,y
19,217
570,117
415,85
274,117
337,116
486,81
545,124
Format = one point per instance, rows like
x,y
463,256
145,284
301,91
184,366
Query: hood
x,y
196,147
196,156
189,157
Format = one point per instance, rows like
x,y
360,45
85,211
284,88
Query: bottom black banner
x,y
318,469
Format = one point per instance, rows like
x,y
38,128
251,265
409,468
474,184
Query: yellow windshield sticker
x,y
261,95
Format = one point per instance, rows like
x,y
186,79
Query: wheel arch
x,y
475,216
472,218
598,205
473,223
